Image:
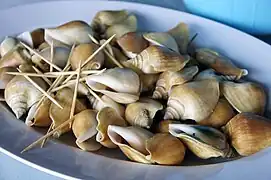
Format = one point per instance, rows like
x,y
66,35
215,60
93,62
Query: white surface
x,y
254,167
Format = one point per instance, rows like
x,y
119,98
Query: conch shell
x,y
73,32
193,100
142,146
20,94
223,112
107,102
211,74
39,116
142,112
132,44
126,26
148,81
84,129
219,63
181,35
205,142
82,52
162,39
125,82
165,149
33,38
5,78
104,19
245,96
131,141
15,57
249,133
61,55
105,117
58,115
163,126
169,79
7,45
156,59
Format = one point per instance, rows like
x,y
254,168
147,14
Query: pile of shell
x,y
115,87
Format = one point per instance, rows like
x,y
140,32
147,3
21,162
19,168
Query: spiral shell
x,y
105,117
162,39
132,43
194,100
33,38
169,79
219,63
156,59
20,94
142,112
119,80
15,57
142,146
211,74
84,129
104,19
61,55
126,26
39,116
5,78
249,133
7,45
107,102
58,115
223,112
73,32
245,96
82,52
181,35
205,142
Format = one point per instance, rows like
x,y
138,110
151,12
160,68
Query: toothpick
x,y
94,94
98,50
42,90
69,83
86,72
31,74
58,79
68,79
40,56
65,123
44,141
75,91
113,59
106,52
52,55
43,77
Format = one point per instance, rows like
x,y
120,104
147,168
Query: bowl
x,y
68,162
249,16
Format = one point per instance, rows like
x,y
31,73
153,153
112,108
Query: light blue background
x,y
11,169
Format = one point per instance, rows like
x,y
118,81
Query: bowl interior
x,y
244,50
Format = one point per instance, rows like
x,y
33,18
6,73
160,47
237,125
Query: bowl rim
x,y
62,175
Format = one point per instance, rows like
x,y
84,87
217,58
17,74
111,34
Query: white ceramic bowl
x,y
65,161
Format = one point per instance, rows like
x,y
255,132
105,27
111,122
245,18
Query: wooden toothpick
x,y
40,56
75,91
86,72
41,90
65,123
98,50
43,77
31,74
52,55
106,52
